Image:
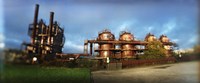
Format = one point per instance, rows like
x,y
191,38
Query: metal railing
x,y
133,63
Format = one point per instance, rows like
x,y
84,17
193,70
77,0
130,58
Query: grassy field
x,y
37,74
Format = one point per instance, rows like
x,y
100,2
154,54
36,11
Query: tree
x,y
197,49
154,50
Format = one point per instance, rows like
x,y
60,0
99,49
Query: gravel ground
x,y
186,72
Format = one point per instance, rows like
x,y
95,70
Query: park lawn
x,y
38,74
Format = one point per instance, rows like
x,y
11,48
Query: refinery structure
x,y
47,42
124,47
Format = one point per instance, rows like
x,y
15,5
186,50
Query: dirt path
x,y
186,72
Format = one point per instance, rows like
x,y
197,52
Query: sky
x,y
81,20
2,44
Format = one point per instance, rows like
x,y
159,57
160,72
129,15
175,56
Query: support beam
x,y
86,48
91,46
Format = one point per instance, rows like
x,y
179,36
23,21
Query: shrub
x,y
155,51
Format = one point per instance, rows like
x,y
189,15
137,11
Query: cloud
x,y
85,21
2,44
12,43
175,40
188,43
193,39
72,47
125,26
150,28
169,26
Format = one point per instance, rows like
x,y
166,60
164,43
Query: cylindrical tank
x,y
127,49
105,53
105,35
105,46
150,37
164,38
126,36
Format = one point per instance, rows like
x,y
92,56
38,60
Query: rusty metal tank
x,y
127,49
150,37
126,36
104,48
164,38
105,35
105,53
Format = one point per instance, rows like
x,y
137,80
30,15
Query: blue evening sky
x,y
81,20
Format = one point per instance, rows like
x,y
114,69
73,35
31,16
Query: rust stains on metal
x,y
104,48
46,41
125,47
128,49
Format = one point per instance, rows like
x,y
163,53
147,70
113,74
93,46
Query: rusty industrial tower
x,y
46,39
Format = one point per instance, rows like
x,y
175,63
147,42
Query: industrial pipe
x,y
50,26
91,46
35,23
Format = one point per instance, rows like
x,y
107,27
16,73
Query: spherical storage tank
x,y
127,49
104,48
164,39
150,37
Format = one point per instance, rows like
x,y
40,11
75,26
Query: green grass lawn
x,y
37,74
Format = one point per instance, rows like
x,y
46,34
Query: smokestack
x,y
36,14
35,22
51,21
51,25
